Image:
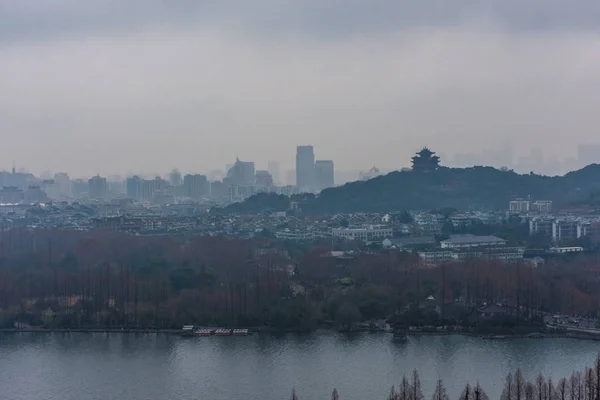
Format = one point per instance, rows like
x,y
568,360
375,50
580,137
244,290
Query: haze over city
x,y
114,87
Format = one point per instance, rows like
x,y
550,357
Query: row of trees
x,y
69,279
579,386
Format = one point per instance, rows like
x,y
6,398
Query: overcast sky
x,y
114,86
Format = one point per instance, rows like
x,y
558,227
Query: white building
x,y
365,233
519,206
540,226
429,223
565,229
542,206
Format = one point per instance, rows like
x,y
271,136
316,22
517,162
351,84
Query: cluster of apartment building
x,y
564,228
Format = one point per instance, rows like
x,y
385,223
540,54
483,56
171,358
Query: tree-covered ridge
x,y
460,188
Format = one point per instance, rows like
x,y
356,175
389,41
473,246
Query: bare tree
x,y
479,394
529,391
519,385
334,395
440,392
415,386
597,376
393,395
404,390
562,389
508,391
551,390
575,389
466,394
589,384
540,389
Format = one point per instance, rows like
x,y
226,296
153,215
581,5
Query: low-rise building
x,y
540,226
519,206
564,229
468,240
366,233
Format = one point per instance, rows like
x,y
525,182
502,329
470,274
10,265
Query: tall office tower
x,y
195,186
305,167
97,187
134,187
324,174
274,169
64,184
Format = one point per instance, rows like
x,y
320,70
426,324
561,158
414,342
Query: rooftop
x,y
469,238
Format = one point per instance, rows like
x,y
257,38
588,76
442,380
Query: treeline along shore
x,y
60,279
581,385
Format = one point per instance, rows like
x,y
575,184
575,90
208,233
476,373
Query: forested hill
x,y
460,188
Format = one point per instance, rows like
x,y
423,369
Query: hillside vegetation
x,y
461,188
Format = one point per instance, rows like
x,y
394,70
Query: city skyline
x,y
533,159
156,85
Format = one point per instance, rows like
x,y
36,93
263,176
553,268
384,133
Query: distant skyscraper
x,y
274,170
195,186
134,187
64,184
305,167
324,174
97,187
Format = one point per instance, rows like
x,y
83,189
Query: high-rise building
x,y
195,186
264,178
274,169
64,184
324,174
305,167
152,186
134,187
97,187
80,187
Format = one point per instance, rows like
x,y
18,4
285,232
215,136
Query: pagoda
x,y
425,161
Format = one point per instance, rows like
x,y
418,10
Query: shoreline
x,y
579,335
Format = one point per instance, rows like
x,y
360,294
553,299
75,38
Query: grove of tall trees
x,y
70,279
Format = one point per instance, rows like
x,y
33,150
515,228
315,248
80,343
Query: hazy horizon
x,y
115,87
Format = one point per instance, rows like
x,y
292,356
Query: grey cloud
x,y
45,19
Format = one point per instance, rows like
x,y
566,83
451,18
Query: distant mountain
x,y
460,188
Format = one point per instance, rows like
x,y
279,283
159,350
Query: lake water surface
x,y
87,366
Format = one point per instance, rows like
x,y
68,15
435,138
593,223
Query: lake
x,y
85,366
